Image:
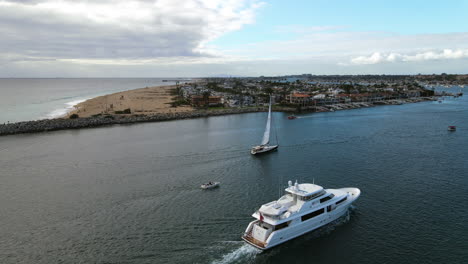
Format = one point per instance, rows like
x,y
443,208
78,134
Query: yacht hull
x,y
264,150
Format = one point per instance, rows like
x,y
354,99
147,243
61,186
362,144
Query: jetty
x,y
45,125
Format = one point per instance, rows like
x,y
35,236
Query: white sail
x,y
266,135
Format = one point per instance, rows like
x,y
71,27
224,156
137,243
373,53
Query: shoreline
x,y
63,112
148,100
46,125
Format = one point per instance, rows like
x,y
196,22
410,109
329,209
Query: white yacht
x,y
303,208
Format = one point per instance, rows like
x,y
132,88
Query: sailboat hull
x,y
264,149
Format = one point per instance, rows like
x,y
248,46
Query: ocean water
x,y
31,99
130,193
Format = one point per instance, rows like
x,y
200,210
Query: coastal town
x,y
315,93
205,97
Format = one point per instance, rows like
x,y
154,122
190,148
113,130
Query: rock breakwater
x,y
105,120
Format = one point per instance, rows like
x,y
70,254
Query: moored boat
x,y
452,128
209,185
304,208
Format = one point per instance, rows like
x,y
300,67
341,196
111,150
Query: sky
x,y
208,38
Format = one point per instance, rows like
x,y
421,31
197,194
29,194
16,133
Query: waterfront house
x,y
413,93
200,100
298,98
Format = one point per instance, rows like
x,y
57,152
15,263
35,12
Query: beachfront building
x,y
233,103
335,91
200,100
188,91
319,96
413,93
298,98
228,85
343,98
239,100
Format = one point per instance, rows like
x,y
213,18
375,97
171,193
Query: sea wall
x,y
60,123
103,120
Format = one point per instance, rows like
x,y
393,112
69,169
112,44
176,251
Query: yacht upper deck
x,y
304,189
294,201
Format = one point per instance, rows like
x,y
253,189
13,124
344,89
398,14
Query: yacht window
x,y
281,226
340,201
327,198
310,197
313,214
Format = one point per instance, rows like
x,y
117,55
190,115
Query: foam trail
x,y
63,111
307,116
246,253
239,255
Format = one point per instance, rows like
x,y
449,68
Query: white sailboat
x,y
264,147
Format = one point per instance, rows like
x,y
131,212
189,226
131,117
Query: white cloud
x,y
174,38
119,29
344,44
378,57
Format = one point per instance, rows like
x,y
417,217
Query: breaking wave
x,y
64,110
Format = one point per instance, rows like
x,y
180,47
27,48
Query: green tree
x,y
206,97
268,90
212,86
347,88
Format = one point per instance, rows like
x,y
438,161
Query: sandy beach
x,y
149,100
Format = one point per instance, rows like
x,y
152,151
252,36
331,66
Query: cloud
x,y
341,45
377,57
119,29
175,38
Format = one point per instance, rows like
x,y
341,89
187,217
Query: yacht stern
x,y
256,235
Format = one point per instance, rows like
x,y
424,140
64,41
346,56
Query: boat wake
x,y
243,254
247,254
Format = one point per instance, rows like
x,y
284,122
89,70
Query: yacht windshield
x,y
286,198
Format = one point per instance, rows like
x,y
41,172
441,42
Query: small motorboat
x,y
452,128
292,117
209,185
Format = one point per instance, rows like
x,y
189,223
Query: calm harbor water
x,y
130,194
31,99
